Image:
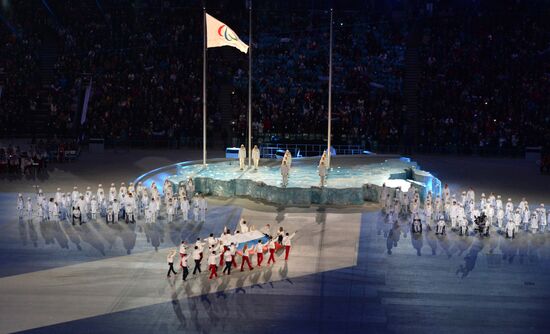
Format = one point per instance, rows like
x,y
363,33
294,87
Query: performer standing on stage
x,y
285,170
242,156
322,173
256,156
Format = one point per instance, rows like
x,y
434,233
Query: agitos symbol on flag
x,y
219,34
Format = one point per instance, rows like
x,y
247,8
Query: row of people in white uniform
x,y
286,165
255,156
460,212
127,202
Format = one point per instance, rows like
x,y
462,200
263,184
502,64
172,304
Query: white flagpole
x,y
250,86
329,93
204,91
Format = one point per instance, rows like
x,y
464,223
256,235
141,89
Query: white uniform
x,y
509,211
167,189
184,205
116,210
446,194
203,206
541,211
131,189
256,156
148,215
196,209
242,156
517,219
129,211
154,206
100,196
243,226
511,229
144,201
29,207
75,195
498,203
500,217
170,212
57,197
463,224
534,223
112,193
94,206
53,211
322,174
190,188
20,205
284,172
288,156
440,228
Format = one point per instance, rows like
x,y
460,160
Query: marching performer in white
x,y
20,205
112,193
203,206
184,206
29,208
541,210
94,206
100,198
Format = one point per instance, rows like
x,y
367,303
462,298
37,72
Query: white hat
x,y
28,198
75,187
112,184
39,190
498,196
20,195
87,187
509,199
99,185
542,204
58,189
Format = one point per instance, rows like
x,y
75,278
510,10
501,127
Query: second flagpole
x,y
204,90
250,85
329,94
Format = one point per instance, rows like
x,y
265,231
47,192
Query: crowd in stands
x,y
19,77
291,79
33,159
483,77
485,82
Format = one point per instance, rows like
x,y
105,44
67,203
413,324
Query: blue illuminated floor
x,y
426,285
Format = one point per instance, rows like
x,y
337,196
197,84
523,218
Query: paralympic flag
x,y
219,34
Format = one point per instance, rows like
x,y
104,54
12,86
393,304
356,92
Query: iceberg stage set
x,y
351,180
